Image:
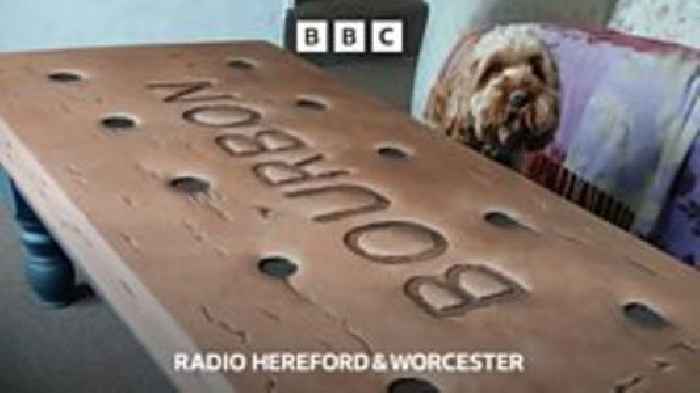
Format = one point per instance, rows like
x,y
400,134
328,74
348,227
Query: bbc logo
x,y
350,36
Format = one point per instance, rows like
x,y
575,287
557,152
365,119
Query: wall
x,y
37,24
672,20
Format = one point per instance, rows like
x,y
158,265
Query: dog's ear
x,y
481,71
474,68
447,108
550,70
436,108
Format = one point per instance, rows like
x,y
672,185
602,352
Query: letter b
x,y
349,36
312,36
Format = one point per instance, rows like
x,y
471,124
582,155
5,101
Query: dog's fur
x,y
501,96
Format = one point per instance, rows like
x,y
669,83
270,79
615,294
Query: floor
x,y
86,348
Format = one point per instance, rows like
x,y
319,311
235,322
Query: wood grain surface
x,y
229,197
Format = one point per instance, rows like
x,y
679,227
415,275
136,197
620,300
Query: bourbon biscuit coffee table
x,y
229,197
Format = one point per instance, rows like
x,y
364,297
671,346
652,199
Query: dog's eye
x,y
537,64
494,68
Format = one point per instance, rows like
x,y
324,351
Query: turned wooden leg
x,y
47,268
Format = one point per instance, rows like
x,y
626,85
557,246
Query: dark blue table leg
x,y
47,268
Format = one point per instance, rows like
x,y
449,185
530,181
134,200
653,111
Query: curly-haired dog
x,y
500,96
608,120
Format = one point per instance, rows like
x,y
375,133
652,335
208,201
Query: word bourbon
x,y
211,110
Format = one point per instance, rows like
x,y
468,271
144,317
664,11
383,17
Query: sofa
x,y
616,146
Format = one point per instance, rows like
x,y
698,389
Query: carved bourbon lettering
x,y
376,201
392,242
222,116
464,288
278,173
187,91
268,141
396,242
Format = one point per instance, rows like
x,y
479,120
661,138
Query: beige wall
x,y
672,20
39,24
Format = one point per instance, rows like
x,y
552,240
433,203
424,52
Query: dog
x,y
500,97
607,120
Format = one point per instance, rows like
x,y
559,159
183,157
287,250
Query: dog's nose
x,y
518,99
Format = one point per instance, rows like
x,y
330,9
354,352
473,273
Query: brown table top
x,y
182,179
